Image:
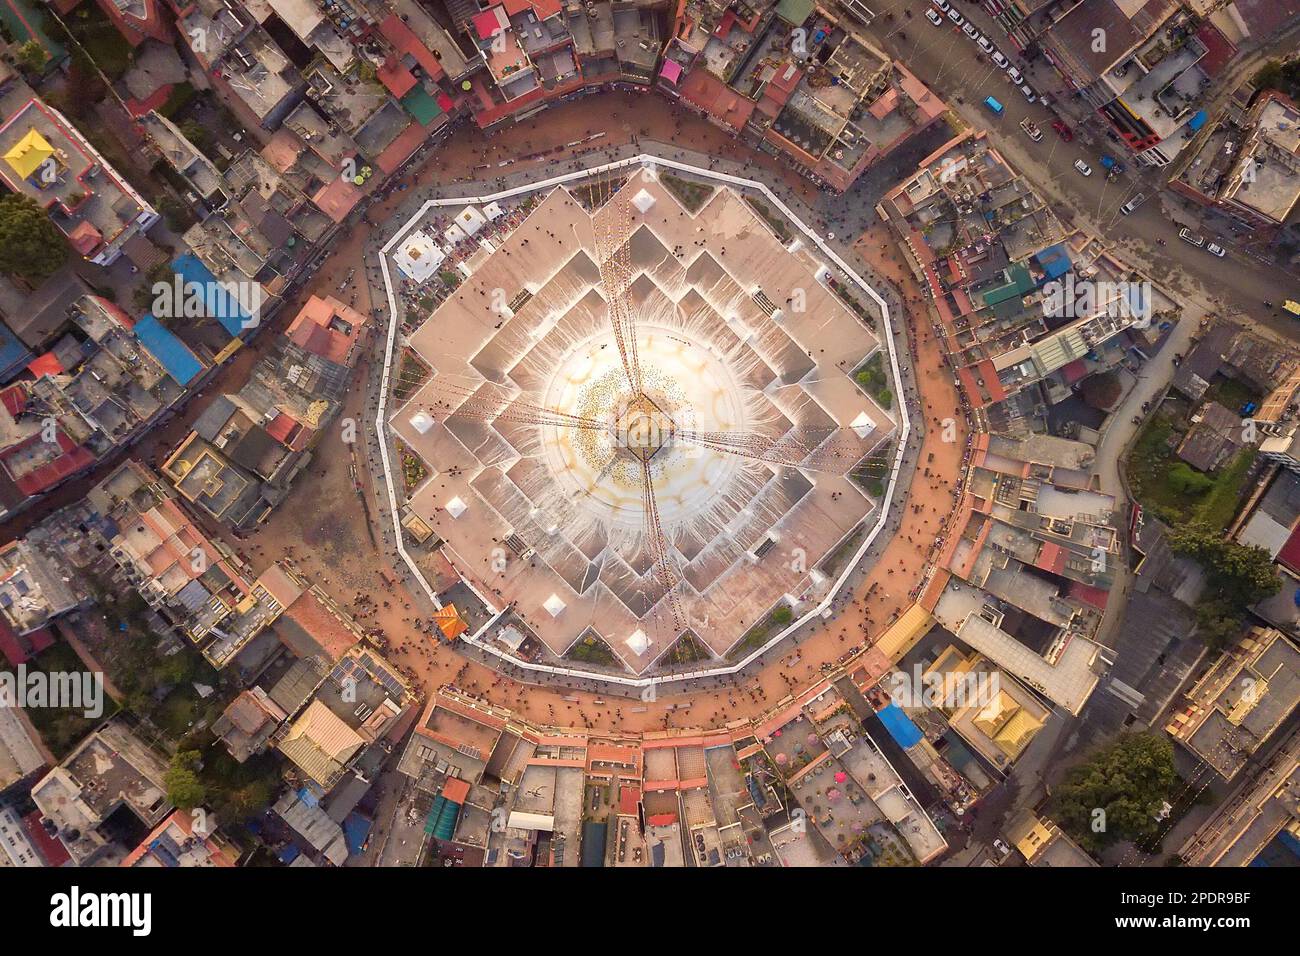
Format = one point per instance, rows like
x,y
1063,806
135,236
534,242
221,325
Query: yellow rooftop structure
x,y
29,153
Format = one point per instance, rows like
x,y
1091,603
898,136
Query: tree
x,y
1218,623
1242,574
184,790
1188,482
32,56
1101,390
1276,75
1237,576
175,212
31,246
1117,792
196,133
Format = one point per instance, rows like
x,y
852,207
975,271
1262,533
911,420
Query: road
x,y
953,66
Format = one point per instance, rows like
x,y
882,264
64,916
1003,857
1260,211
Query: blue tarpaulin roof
x,y
289,853
170,351
13,354
217,300
356,828
1055,261
900,726
1197,121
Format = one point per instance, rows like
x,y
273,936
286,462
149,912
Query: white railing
x,y
644,160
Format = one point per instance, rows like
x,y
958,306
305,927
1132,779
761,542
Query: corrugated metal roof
x,y
172,354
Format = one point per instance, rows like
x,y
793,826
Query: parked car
x,y
956,17
970,31
1190,237
1083,167
1215,249
1016,76
985,44
1028,90
994,106
1062,130
1000,60
934,18
942,5
1132,204
1032,131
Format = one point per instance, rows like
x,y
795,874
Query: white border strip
x,y
643,159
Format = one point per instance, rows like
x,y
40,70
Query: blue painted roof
x,y
13,354
218,302
170,351
900,726
1055,261
356,828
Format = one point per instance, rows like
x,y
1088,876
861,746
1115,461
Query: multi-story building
x,y
1247,166
44,157
999,268
1241,699
186,838
110,770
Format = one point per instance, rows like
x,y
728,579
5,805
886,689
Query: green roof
x,y
1019,281
24,22
421,105
795,12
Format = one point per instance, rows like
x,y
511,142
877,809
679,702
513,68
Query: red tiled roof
x,y
1219,49
14,651
1097,597
337,198
405,41
282,426
54,852
116,311
47,364
154,101
73,459
397,78
85,238
1289,556
1051,558
14,399
716,98
455,790
1074,371
628,798
489,22
401,148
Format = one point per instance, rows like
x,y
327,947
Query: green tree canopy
x,y
184,790
31,246
32,56
1117,793
1240,574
